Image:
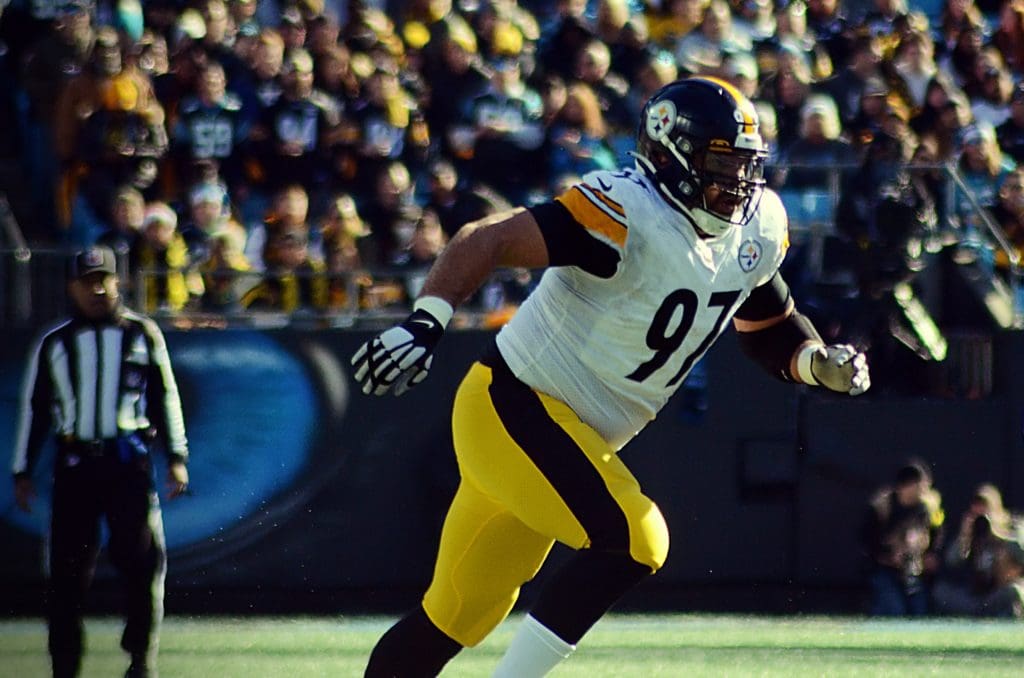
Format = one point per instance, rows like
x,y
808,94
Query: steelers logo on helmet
x,y
699,144
661,118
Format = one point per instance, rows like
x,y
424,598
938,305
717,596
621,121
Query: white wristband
x,y
437,307
803,363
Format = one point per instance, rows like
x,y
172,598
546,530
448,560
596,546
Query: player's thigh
x,y
532,454
486,554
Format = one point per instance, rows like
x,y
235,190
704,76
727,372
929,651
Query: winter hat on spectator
x,y
160,212
742,65
207,192
977,133
297,60
191,24
291,16
121,94
75,6
128,18
875,86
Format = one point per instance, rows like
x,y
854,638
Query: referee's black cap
x,y
91,260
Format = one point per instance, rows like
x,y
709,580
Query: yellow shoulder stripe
x,y
597,213
592,193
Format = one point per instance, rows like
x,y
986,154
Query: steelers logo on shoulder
x,y
750,255
661,118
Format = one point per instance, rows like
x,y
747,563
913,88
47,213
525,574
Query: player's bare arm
x,y
506,239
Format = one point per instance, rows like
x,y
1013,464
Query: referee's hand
x,y
177,479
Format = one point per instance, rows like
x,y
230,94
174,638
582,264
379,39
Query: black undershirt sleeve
x,y
570,244
774,346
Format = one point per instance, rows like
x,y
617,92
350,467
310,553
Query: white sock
x,y
534,651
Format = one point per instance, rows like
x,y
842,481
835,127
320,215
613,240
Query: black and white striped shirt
x,y
96,381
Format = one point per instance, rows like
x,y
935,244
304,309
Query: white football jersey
x,y
615,349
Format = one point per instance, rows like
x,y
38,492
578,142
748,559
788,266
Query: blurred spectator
x,y
577,135
502,133
390,126
564,37
914,63
877,103
208,213
334,74
163,259
657,70
220,36
668,21
960,62
292,27
813,165
862,71
457,205
289,211
701,50
631,48
593,68
423,247
943,116
1008,36
957,17
224,272
902,537
293,281
741,71
210,126
120,143
1008,213
341,231
289,138
1010,134
983,566
60,55
787,91
983,167
989,88
261,87
827,21
455,81
393,192
124,236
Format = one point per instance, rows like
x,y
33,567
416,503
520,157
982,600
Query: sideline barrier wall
x,y
310,497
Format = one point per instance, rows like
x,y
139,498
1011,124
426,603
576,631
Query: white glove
x,y
838,367
400,357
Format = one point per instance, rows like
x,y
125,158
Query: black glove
x,y
399,357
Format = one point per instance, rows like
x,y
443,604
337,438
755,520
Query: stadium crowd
x,y
916,566
262,154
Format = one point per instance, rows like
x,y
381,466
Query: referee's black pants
x,y
121,491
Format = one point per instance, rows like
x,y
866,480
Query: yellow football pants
x,y
531,473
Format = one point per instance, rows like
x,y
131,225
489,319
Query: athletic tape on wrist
x,y
803,364
437,307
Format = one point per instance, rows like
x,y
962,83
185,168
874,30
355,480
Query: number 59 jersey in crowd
x,y
616,348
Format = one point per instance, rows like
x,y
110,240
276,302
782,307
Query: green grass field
x,y
620,646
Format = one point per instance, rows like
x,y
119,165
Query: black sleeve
x,y
770,300
569,243
774,346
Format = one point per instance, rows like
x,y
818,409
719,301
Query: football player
x,y
645,268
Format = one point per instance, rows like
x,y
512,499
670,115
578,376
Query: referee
x,y
101,382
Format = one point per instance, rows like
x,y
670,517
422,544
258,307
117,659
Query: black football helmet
x,y
699,132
